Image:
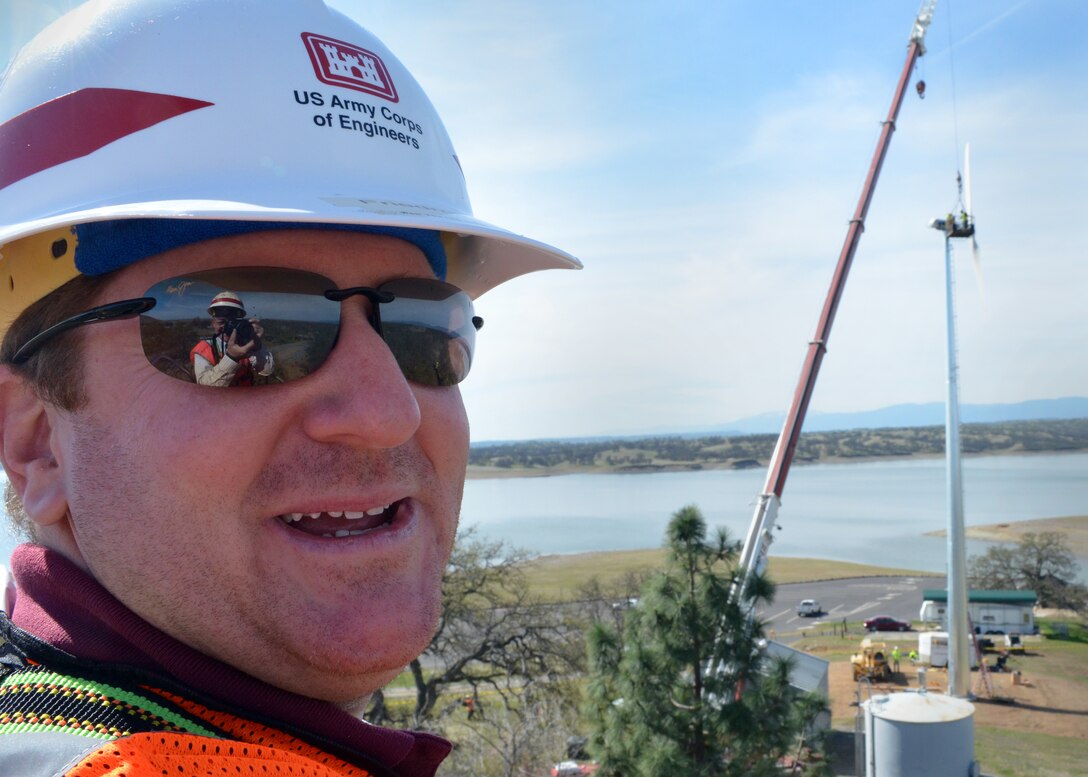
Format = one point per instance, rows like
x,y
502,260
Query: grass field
x,y
558,578
1006,753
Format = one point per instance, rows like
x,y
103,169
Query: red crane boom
x,y
754,555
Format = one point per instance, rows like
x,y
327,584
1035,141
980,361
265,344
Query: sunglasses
x,y
226,314
294,322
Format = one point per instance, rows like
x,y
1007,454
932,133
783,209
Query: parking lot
x,y
854,599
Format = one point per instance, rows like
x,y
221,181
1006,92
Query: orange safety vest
x,y
210,349
129,730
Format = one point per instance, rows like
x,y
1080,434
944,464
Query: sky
x,y
704,159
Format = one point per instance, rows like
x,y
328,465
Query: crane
x,y
757,542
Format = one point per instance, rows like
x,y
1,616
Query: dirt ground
x,y
1045,704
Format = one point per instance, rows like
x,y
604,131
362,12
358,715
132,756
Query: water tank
x,y
910,734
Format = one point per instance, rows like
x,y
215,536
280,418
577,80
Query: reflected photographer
x,y
234,354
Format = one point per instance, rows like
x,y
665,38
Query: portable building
x,y
991,612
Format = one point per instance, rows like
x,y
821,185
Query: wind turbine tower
x,y
956,226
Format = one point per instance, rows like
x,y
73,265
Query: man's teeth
x,y
351,515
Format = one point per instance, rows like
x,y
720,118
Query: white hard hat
x,y
212,117
227,299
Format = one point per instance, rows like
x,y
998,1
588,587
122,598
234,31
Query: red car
x,y
885,623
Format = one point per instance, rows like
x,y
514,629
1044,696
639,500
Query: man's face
x,y
178,492
220,317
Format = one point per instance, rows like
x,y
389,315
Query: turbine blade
x,y
976,261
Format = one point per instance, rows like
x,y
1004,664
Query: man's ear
x,y
26,450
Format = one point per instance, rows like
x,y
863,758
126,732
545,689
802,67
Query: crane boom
x,y
757,542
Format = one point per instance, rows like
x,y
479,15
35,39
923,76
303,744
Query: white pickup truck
x,y
809,608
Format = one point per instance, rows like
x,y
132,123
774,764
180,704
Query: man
x,y
234,353
217,579
896,656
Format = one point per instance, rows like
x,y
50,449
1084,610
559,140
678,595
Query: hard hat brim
x,y
480,255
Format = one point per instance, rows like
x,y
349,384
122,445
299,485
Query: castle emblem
x,y
340,64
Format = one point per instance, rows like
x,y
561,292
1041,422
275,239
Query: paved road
x,y
855,599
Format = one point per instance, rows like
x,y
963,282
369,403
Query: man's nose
x,y
359,396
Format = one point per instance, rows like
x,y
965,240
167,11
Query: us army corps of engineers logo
x,y
340,64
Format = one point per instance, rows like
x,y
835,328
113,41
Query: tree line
x,y
677,452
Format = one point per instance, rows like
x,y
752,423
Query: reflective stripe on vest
x,y
54,725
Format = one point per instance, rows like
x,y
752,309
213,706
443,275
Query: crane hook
x,y
921,87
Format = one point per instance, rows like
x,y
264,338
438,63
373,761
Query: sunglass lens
x,y
429,328
289,327
293,326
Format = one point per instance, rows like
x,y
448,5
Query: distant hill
x,y
893,417
676,453
909,415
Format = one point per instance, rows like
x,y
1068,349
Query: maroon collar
x,y
64,606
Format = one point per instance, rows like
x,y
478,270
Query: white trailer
x,y
991,612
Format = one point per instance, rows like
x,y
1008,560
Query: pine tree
x,y
687,689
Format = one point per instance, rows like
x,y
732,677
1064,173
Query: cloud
x,y
698,307
707,178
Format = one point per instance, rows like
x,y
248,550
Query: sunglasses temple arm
x,y
114,311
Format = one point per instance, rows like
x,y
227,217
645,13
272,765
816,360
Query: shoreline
x,y
611,566
789,568
557,576
1073,527
477,472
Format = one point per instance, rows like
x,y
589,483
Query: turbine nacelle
x,y
963,224
953,226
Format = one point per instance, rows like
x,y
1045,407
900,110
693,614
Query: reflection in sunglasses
x,y
293,323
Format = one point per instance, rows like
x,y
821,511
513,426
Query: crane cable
x,y
955,116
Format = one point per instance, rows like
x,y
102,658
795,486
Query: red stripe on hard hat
x,y
77,124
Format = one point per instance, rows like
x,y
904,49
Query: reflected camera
x,y
244,330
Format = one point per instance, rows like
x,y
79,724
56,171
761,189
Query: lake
x,y
868,512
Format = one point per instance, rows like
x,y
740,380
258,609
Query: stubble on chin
x,y
162,542
395,588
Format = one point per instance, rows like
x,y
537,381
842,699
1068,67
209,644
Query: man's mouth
x,y
340,523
